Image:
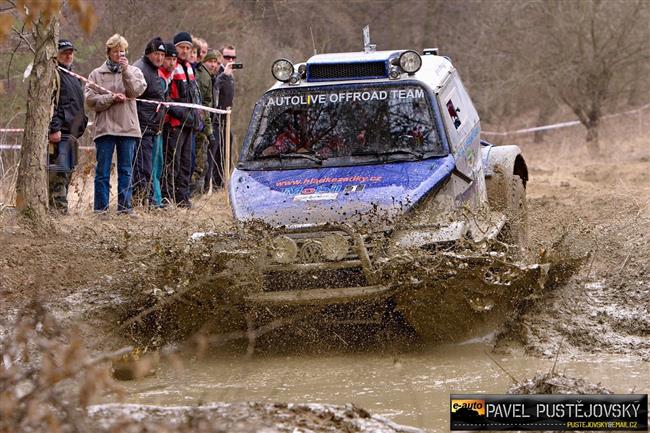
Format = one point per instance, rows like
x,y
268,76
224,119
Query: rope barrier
x,y
147,101
561,124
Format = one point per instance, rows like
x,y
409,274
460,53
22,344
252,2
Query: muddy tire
x,y
507,194
516,229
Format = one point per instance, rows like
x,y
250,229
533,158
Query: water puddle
x,y
411,388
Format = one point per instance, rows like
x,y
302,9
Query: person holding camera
x,y
224,94
110,93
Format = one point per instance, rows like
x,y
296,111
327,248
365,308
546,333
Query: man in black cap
x,y
150,117
182,123
68,124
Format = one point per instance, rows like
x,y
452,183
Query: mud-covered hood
x,y
359,194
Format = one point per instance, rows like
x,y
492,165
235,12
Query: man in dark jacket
x,y
180,125
68,124
150,117
224,94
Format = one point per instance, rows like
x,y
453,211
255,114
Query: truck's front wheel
x,y
516,229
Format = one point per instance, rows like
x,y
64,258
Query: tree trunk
x,y
592,139
544,116
31,184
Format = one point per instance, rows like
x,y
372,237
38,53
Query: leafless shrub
x,y
39,361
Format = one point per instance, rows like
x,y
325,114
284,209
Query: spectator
x,y
109,93
212,61
201,46
150,116
224,94
68,123
179,128
165,73
205,137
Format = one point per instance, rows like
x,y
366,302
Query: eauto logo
x,y
467,409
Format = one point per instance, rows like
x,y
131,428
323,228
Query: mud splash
x,y
446,295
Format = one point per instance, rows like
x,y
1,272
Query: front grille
x,y
302,239
346,71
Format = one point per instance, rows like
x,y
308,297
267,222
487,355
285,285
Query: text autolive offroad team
x,y
165,155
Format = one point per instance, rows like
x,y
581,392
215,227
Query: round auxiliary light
x,y
282,70
335,247
410,61
285,250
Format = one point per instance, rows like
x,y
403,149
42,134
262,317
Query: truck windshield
x,y
315,125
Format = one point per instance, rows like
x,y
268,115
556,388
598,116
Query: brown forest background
x,y
525,63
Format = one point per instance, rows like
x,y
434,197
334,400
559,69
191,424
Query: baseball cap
x,y
65,44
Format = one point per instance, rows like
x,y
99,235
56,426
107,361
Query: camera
x,y
238,66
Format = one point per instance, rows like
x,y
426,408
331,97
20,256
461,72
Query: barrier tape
x,y
17,147
561,124
148,101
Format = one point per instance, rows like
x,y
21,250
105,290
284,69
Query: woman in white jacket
x,y
110,93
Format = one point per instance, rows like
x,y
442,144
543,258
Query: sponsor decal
x,y
354,188
307,190
327,179
316,196
349,96
555,412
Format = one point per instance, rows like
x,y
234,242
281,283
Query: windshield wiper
x,y
378,153
282,156
418,155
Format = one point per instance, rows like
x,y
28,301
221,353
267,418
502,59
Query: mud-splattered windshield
x,y
314,125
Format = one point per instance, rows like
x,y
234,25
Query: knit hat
x,y
170,50
211,55
156,44
182,37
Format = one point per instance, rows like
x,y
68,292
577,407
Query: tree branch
x,y
22,36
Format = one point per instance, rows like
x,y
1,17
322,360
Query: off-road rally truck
x,y
370,170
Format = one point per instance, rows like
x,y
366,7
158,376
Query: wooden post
x,y
226,165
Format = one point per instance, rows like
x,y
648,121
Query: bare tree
x,y
42,18
585,52
31,185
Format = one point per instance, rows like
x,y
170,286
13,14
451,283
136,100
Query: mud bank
x,y
243,418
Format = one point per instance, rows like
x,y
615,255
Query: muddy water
x,y
411,388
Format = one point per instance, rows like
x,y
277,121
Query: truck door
x,y
463,133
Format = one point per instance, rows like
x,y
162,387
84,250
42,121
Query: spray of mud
x,y
198,287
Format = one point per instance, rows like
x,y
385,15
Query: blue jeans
x,y
156,169
105,146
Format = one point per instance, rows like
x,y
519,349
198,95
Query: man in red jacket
x,y
181,123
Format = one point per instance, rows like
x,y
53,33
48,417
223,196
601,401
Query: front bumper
x,y
298,283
